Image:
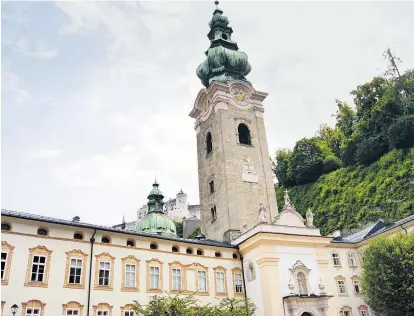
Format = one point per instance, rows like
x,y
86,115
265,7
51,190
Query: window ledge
x,y
245,145
343,295
4,282
221,294
239,294
103,288
35,284
74,286
129,289
154,291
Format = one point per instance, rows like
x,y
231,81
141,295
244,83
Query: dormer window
x,y
106,240
42,232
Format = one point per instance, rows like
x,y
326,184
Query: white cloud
x,y
12,91
41,50
44,154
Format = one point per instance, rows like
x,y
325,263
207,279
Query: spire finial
x,y
216,3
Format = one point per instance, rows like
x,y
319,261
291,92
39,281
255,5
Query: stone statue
x,y
309,218
286,197
262,213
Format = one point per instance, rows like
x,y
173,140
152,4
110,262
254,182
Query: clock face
x,y
239,95
206,104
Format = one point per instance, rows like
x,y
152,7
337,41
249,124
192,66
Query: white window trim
x,y
102,310
199,289
130,272
81,269
158,274
37,273
238,280
5,264
337,257
109,273
72,309
218,289
177,286
33,308
339,288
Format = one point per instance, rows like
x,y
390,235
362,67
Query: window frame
x,y
102,307
107,258
205,289
238,272
33,304
130,260
339,279
40,251
352,260
354,279
156,263
80,255
72,305
249,134
8,249
127,308
339,264
218,271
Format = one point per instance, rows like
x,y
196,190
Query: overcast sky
x,y
96,96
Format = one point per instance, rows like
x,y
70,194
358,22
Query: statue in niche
x,y
262,213
303,289
309,218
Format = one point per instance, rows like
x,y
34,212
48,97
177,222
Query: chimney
x,y
76,219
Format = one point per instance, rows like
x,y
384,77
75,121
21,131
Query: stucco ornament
x,y
291,287
249,173
286,198
309,218
321,287
262,213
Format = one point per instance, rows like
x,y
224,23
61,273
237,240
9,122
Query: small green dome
x,y
156,222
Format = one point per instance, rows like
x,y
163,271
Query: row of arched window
x,y
243,133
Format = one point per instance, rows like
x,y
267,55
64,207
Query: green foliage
x,y
388,275
179,228
400,133
187,305
195,233
383,120
351,196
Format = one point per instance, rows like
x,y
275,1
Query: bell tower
x,y
234,170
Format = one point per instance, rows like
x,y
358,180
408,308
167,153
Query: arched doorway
x,y
306,314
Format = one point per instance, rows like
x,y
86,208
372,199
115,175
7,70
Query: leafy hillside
x,y
354,195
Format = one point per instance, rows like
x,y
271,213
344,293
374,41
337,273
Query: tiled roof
x,y
53,220
372,230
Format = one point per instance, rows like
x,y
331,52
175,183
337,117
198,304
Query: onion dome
x,y
224,62
155,221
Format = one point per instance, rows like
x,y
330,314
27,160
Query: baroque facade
x,y
52,266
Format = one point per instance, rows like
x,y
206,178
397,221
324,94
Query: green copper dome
x,y
156,222
224,62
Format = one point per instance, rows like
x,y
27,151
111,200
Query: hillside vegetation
x,y
363,167
351,196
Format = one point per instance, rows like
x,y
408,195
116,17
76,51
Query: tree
x,y
195,233
401,132
187,305
307,161
388,275
179,228
283,169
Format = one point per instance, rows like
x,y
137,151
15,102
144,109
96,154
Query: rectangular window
x,y
75,271
202,281
220,287
154,277
176,278
357,287
335,259
3,263
72,312
341,287
364,313
238,282
32,311
104,268
130,274
102,313
352,260
38,268
129,313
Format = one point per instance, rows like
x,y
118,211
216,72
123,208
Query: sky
x,y
96,95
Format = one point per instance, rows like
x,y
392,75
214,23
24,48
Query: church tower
x,y
234,169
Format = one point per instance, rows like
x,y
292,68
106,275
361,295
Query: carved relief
x,y
249,173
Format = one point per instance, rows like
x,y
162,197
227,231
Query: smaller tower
x,y
155,221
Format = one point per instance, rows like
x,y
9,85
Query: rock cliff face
x,y
350,197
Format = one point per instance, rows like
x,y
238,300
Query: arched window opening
x,y
42,232
174,249
217,254
153,246
303,288
106,239
209,143
306,314
5,226
244,134
224,36
235,256
130,243
189,251
78,236
199,252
